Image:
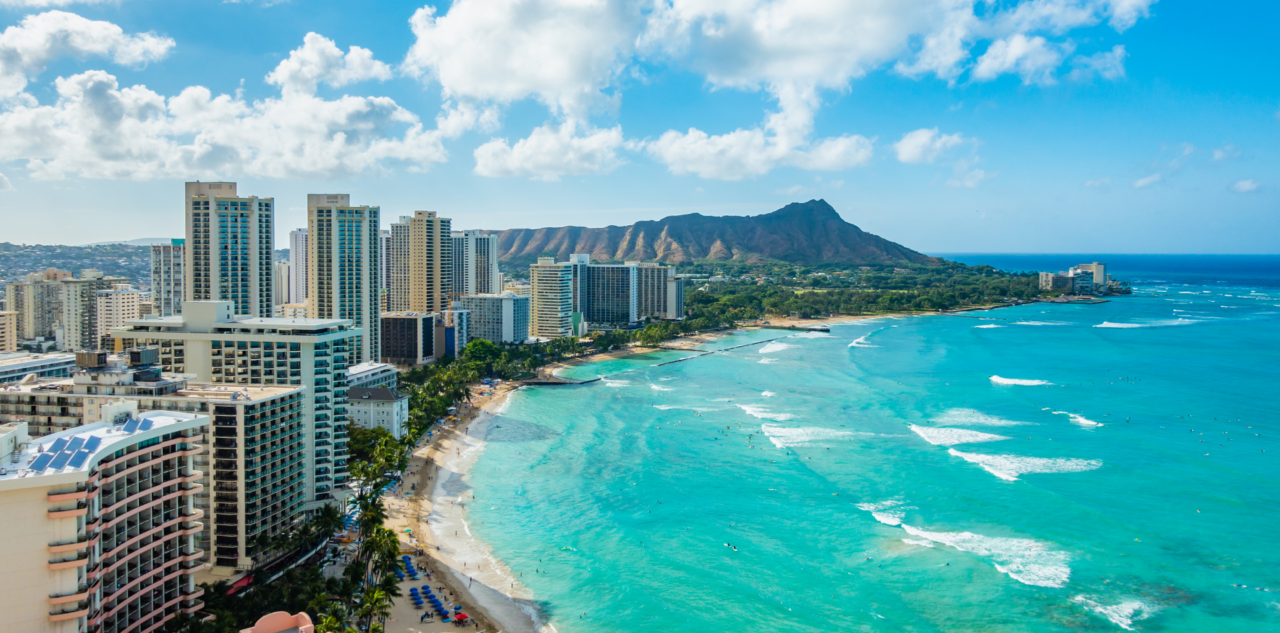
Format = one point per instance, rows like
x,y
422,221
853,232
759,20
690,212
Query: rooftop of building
x,y
368,367
80,449
406,315
374,394
19,358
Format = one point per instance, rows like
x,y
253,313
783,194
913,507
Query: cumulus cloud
x,y
1225,152
27,48
1243,186
1032,58
552,151
1125,13
925,145
45,4
320,60
1146,182
5,185
98,129
1109,65
967,175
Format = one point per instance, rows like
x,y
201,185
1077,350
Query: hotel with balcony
x,y
99,525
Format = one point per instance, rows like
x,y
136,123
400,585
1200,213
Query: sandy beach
x,y
432,504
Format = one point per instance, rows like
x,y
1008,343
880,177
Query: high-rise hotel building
x,y
298,266
475,264
551,300
397,262
168,277
343,246
229,247
99,525
430,262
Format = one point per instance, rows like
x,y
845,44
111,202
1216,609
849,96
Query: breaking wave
x,y
812,335
951,437
1160,323
1078,419
764,413
976,418
660,388
1025,560
786,437
1122,615
1009,467
668,407
1018,381
987,326
768,394
616,383
774,346
766,361
887,512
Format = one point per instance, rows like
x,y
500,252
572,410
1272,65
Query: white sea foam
x,y
774,346
862,342
786,437
1009,467
616,383
1025,560
660,388
768,394
812,335
1158,323
668,407
950,437
920,542
766,361
1018,381
972,417
887,512
988,326
1122,615
1078,419
764,413
1040,323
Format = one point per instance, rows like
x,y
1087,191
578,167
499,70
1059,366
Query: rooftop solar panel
x,y
131,426
58,445
145,426
42,462
78,460
60,461
93,443
74,445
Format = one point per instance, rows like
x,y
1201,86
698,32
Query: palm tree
x,y
374,603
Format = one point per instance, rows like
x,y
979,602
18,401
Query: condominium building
x,y
292,311
298,266
522,288
608,295
380,408
384,250
343,243
551,300
38,302
99,525
218,347
398,265
456,330
116,306
80,309
229,247
409,338
499,318
8,331
430,262
1085,279
280,292
372,375
168,276
255,480
659,293
475,264
18,365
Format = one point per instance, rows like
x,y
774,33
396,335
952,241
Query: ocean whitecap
x,y
1027,561
768,361
1009,467
616,383
1019,381
1123,614
1040,323
660,388
1157,323
812,335
973,417
786,437
888,512
764,413
774,346
988,326
942,436
767,394
1078,419
920,542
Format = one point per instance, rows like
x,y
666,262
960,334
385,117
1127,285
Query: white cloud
x,y
1225,152
1098,183
1146,182
564,53
44,4
29,47
1032,58
320,60
925,145
1245,186
967,175
1125,13
551,152
97,129
1109,65
5,185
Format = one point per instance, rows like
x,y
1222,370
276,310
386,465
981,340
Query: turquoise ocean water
x,y
1038,468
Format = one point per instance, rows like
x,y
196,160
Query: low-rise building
x,y
409,338
372,375
99,525
379,407
15,366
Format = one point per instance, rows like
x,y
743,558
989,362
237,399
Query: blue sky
x,y
946,125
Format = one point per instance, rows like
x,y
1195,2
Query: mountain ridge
x,y
799,233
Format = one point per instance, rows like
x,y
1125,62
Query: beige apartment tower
x,y
229,247
397,260
430,262
343,244
8,331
